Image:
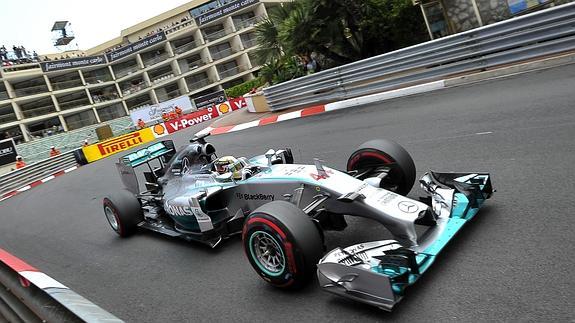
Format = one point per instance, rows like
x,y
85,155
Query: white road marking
x,y
25,188
288,116
484,133
246,125
70,169
49,178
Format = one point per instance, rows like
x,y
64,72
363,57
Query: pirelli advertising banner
x,y
128,141
118,144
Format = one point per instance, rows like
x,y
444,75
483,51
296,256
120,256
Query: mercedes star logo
x,y
407,206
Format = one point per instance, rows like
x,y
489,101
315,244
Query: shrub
x,y
241,89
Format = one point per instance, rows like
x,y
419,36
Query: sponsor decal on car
x,y
255,197
117,144
318,177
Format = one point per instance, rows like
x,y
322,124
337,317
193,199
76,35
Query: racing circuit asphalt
x,y
514,261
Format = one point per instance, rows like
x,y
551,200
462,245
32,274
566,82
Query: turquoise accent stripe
x,y
452,226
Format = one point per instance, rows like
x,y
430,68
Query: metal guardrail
x,y
21,177
24,301
543,33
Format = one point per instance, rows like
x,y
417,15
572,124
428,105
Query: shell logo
x,y
224,108
159,130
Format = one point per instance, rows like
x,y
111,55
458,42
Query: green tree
x,y
336,31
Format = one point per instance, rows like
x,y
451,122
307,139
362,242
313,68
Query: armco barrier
x,y
547,32
28,295
43,169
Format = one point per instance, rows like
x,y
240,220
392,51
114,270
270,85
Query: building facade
x,y
195,49
447,17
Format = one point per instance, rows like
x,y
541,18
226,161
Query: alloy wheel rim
x,y
268,253
111,217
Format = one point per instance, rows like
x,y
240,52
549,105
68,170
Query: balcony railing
x,y
222,54
230,72
241,24
162,77
170,95
215,36
198,84
31,90
66,84
156,59
179,26
126,71
77,124
97,79
99,98
250,43
5,118
4,96
134,88
74,103
185,48
39,111
195,64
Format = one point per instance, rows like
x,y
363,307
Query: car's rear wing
x,y
145,155
161,152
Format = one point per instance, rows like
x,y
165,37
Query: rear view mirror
x,y
269,155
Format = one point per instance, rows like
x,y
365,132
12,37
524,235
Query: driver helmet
x,y
227,164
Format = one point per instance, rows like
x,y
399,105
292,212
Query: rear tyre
x,y
282,244
379,152
123,212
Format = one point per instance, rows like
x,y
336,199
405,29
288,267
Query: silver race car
x,y
282,210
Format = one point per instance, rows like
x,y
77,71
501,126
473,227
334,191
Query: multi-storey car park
x,y
194,49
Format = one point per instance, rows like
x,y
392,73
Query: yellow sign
x,y
118,144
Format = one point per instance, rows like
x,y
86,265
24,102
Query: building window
x,y
111,112
436,20
79,120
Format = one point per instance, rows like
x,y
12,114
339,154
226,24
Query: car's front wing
x,y
378,272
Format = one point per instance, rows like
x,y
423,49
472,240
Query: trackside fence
x,y
536,35
41,170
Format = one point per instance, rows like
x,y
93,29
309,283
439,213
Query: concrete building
x,y
446,17
195,49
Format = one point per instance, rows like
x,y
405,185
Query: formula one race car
x,y
282,210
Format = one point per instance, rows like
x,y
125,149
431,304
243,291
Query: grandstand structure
x,y
195,49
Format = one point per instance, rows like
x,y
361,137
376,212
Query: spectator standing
x,y
17,51
54,151
86,143
141,124
3,53
23,52
20,162
178,111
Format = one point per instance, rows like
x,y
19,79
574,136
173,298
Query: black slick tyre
x,y
123,212
380,152
282,244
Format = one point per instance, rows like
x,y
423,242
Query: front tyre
x,y
380,153
282,244
123,212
